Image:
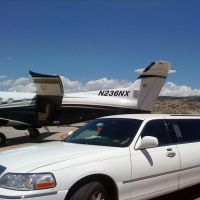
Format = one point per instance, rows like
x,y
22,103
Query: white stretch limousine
x,y
112,158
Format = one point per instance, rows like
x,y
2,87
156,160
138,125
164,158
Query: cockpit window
x,y
106,132
10,101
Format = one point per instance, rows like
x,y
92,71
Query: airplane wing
x,y
49,89
9,122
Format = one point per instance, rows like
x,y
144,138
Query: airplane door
x,y
50,92
155,170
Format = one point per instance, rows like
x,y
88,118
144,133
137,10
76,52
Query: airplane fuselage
x,y
75,107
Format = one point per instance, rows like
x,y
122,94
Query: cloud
x,y
6,83
99,84
3,76
171,89
71,86
105,83
24,84
21,81
21,88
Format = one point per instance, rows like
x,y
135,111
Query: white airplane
x,y
49,106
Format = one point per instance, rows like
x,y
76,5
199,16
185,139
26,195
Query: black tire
x,y
90,191
33,132
2,139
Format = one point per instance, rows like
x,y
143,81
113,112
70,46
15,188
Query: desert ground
x,y
174,105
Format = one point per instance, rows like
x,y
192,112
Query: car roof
x,y
154,116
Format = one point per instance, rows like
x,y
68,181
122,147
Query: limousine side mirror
x,y
147,142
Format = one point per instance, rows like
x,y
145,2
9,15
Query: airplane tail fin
x,y
147,87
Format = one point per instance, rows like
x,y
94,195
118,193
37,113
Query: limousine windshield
x,y
106,132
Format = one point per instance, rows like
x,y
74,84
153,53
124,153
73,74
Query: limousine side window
x,y
187,130
158,129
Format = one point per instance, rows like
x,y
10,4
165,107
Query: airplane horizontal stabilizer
x,y
9,122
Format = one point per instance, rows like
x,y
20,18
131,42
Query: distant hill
x,y
178,105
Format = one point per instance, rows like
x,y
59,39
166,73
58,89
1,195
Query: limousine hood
x,y
27,158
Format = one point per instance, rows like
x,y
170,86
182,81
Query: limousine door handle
x,y
170,154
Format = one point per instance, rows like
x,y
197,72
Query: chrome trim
x,y
147,177
10,197
156,175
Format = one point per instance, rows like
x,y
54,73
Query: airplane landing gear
x,y
2,139
33,132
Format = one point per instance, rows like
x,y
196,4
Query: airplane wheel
x,y
2,139
33,132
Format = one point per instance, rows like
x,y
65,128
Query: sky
x,y
99,43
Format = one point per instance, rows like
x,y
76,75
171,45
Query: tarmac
x,y
19,138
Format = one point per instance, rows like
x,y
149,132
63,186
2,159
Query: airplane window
x,y
25,101
1,100
10,101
